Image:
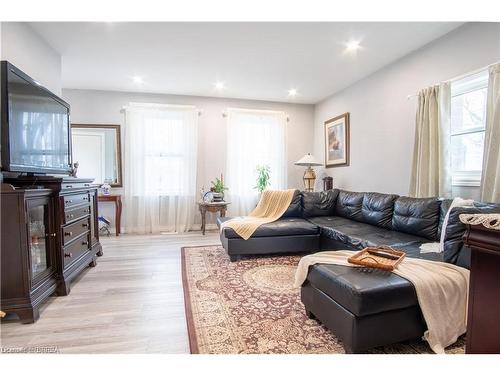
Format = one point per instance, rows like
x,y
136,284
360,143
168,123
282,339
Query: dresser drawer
x,y
71,200
76,249
71,231
76,213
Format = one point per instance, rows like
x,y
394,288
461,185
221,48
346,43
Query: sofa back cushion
x,y
349,205
319,203
377,209
454,249
418,216
295,208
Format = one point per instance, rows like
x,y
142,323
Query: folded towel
x,y
438,247
430,247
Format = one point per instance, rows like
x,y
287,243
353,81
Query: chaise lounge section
x,y
291,234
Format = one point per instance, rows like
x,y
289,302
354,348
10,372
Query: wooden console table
x,y
117,199
211,207
483,326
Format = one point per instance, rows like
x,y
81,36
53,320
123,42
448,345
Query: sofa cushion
x,y
282,227
363,291
358,235
295,208
418,216
349,205
319,203
377,209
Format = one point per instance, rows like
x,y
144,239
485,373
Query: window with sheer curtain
x,y
160,167
254,137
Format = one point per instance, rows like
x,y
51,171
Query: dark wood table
x,y
211,207
117,199
483,325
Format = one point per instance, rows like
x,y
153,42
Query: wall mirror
x,y
97,150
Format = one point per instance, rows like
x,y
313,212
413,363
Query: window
x,y
162,145
254,137
468,120
164,155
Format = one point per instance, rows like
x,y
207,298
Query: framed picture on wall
x,y
337,141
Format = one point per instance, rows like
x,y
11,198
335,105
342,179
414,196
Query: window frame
x,y
466,85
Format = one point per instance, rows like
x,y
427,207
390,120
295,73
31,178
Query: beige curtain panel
x,y
490,178
431,156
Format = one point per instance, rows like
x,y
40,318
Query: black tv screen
x,y
35,126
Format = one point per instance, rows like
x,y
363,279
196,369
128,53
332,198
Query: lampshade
x,y
307,161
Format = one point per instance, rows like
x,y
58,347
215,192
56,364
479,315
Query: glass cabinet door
x,y
38,238
94,225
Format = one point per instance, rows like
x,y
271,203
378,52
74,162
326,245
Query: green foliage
x,y
263,177
218,185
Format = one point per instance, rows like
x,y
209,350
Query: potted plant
x,y
218,189
263,177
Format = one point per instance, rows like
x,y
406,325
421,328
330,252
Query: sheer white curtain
x,y
160,167
254,137
490,179
431,169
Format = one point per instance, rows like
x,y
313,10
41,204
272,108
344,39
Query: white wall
x,y
383,119
23,47
103,107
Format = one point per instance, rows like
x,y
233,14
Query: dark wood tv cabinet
x,y
49,234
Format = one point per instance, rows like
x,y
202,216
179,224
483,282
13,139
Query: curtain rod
x,y
152,105
224,113
460,77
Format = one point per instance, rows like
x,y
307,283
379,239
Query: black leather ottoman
x,y
363,307
287,235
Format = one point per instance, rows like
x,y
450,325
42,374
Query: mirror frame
x,y
118,146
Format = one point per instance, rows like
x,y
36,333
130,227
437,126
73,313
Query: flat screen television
x,y
36,133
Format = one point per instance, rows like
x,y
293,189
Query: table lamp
x,y
309,175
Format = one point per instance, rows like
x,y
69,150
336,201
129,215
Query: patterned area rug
x,y
250,306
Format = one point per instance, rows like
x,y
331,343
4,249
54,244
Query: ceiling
x,y
260,61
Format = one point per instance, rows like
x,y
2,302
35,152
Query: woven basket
x,y
381,257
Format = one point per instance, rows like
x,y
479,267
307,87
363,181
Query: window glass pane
x,y
467,152
468,111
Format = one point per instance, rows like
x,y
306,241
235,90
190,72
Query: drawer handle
x,y
86,211
52,235
68,255
69,201
69,186
85,242
68,233
85,198
85,225
70,216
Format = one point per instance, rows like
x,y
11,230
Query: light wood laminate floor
x,y
132,302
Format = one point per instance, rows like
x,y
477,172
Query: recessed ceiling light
x,y
219,85
137,79
292,92
353,45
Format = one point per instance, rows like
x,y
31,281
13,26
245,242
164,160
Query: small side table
x,y
211,207
117,199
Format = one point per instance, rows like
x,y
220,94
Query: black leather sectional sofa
x,y
364,307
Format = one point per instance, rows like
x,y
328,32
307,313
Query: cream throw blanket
x,y
272,205
442,292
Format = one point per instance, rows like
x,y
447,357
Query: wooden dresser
x,y
483,324
49,223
